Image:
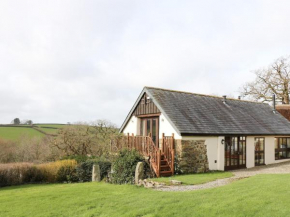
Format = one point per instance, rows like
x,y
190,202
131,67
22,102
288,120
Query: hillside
x,y
14,132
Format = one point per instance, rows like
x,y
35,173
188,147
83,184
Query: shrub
x,y
124,167
57,171
67,173
15,173
84,169
79,158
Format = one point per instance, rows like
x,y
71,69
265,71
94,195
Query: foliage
x,y
84,169
26,122
14,174
21,173
27,149
124,167
78,158
16,121
271,80
57,171
86,139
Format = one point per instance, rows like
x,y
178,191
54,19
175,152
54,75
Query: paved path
x,y
280,168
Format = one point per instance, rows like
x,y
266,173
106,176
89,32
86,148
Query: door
x,y
150,126
259,151
235,152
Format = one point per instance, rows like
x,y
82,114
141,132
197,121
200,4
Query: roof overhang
x,y
233,134
155,102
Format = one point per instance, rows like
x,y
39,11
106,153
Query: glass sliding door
x,y
235,152
150,126
259,151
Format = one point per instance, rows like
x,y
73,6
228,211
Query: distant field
x,y
50,125
49,130
14,133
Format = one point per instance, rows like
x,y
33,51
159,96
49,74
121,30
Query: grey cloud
x,y
66,61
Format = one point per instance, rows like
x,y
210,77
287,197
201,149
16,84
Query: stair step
x,y
164,162
165,173
164,168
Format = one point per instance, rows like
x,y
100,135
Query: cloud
x,y
66,61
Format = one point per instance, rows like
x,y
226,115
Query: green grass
x,y
262,195
49,130
14,133
194,179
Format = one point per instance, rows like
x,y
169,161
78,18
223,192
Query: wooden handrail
x,y
146,147
168,150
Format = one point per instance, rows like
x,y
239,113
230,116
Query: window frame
x,y
283,150
258,152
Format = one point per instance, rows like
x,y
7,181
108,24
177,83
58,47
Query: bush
x,y
79,158
14,173
84,169
57,171
124,167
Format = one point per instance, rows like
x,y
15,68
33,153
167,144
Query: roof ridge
x,y
199,94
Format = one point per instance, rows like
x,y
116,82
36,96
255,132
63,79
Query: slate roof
x,y
197,114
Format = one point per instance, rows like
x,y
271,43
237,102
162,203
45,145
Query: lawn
x,y
194,179
261,195
14,133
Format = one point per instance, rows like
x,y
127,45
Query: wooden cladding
x,y
146,107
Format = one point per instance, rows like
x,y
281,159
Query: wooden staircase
x,y
161,159
165,169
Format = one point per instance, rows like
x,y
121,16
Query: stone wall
x,y
191,156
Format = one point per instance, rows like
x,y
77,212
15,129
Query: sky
x,y
69,61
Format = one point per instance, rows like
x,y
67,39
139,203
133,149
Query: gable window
x,y
282,148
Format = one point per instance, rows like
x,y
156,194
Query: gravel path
x,y
280,168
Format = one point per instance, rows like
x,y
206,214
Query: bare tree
x,y
86,139
271,80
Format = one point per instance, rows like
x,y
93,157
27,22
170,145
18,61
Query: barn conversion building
x,y
215,133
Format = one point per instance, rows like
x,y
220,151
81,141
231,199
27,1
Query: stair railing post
x,y
163,140
173,153
172,141
133,141
128,140
159,162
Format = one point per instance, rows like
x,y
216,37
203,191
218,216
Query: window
x,y
259,151
282,148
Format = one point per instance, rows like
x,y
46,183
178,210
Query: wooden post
x,y
163,142
128,140
133,141
172,141
173,153
158,162
172,163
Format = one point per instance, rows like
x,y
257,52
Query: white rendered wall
x,y
166,128
132,126
270,142
250,151
212,149
269,151
221,153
